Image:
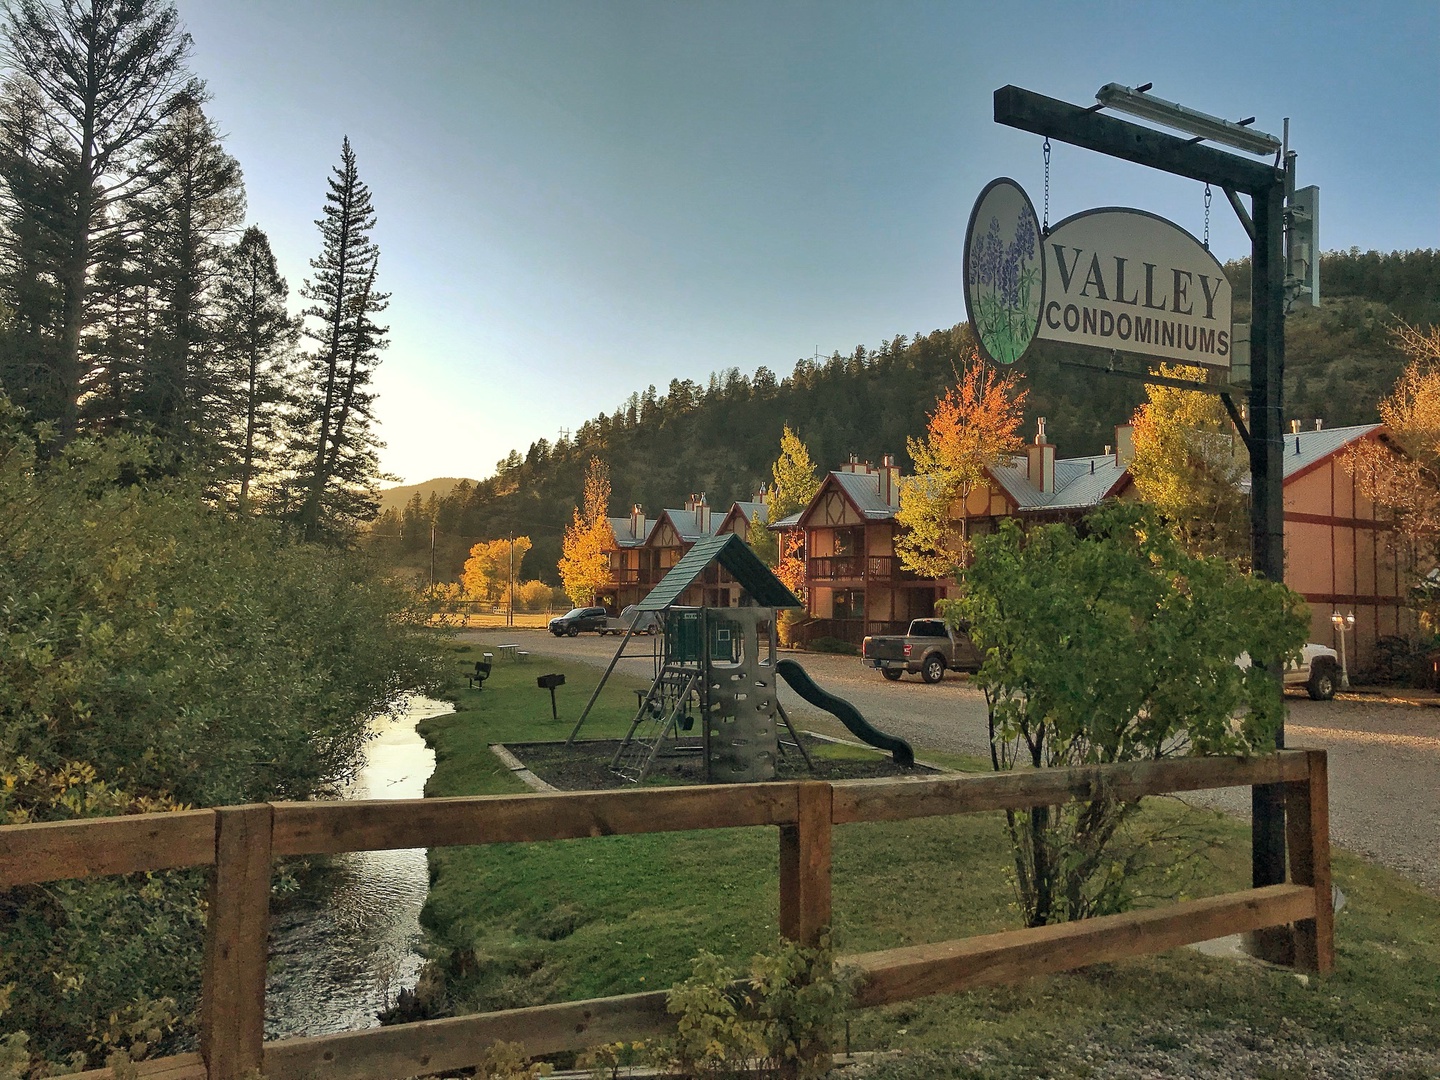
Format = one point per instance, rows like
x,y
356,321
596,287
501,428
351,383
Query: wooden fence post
x,y
805,866
1307,816
232,1018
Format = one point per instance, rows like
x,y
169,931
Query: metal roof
x,y
1307,448
734,555
623,536
685,525
1315,446
753,511
1079,482
863,490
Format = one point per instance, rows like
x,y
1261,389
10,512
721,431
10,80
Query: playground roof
x,y
734,555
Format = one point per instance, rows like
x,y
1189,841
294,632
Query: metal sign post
x,y
1266,186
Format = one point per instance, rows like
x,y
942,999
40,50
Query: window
x,y
849,604
848,542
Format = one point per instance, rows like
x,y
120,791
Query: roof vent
x,y
1297,445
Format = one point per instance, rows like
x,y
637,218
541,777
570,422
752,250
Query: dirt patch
x,y
586,765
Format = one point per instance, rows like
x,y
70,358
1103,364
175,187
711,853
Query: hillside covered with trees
x,y
720,438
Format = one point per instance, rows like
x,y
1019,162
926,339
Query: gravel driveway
x,y
1384,757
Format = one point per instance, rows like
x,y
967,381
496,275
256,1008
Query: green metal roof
x,y
731,552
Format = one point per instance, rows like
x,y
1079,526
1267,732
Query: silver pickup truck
x,y
929,649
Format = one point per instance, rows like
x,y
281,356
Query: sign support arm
x,y
1241,213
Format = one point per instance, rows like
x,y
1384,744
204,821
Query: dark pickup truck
x,y
928,650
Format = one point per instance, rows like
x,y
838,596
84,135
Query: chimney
x,y
1040,460
890,480
637,522
1124,446
1319,423
1294,427
702,515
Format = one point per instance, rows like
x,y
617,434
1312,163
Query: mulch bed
x,y
586,765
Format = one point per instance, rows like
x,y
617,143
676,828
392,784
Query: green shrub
x,y
160,652
1114,644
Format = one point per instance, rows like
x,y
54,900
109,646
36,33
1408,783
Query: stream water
x,y
343,946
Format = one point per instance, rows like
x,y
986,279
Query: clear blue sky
x,y
577,200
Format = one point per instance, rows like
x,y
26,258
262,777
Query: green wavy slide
x,y
800,681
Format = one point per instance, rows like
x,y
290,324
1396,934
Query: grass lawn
x,y
523,924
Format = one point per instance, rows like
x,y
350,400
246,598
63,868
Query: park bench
x,y
480,674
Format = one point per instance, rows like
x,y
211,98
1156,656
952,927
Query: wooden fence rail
x,y
240,843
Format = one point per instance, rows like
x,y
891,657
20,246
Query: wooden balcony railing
x,y
240,843
857,568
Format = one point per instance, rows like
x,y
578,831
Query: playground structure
x,y
715,692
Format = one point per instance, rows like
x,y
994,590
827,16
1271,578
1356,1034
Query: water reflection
x,y
343,947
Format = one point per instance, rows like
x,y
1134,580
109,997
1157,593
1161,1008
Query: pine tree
x,y
193,205
342,467
256,337
105,74
34,216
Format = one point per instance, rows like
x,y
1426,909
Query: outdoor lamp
x,y
1202,125
1343,625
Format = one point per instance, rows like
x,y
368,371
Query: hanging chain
x,y
1045,225
1207,217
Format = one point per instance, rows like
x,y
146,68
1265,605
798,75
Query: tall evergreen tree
x,y
34,216
194,204
106,74
256,337
339,445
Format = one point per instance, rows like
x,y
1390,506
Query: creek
x,y
344,944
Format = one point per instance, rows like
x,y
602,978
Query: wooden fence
x,y
241,842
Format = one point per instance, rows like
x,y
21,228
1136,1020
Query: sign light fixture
x,y
1202,125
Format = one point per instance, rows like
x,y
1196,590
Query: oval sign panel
x,y
1130,281
1004,271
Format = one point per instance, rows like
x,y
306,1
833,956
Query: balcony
x,y
857,568
630,575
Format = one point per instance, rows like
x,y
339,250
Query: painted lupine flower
x,y
985,257
1003,277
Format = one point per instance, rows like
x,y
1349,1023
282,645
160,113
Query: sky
x,y
578,200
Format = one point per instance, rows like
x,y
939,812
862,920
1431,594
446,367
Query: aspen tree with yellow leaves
x,y
585,560
1189,463
795,484
1401,472
975,426
492,566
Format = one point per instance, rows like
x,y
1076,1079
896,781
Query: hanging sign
x,y
1112,278
1004,271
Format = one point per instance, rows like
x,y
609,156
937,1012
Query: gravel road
x,y
1384,756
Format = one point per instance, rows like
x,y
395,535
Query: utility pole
x,y
1266,184
510,608
432,554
